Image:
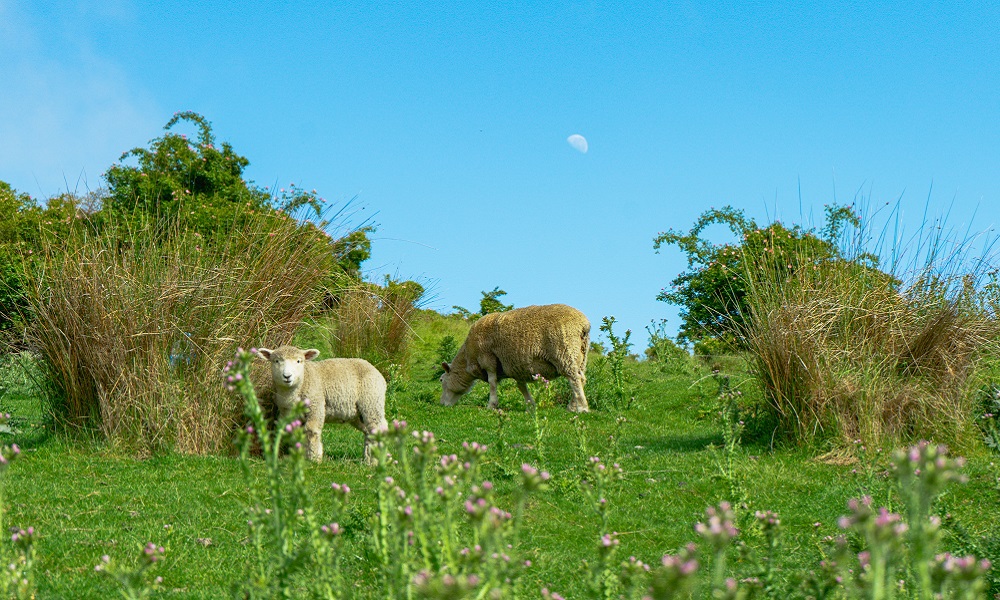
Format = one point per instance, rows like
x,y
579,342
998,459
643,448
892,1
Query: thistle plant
x,y
603,581
883,533
135,583
675,576
283,528
16,581
958,577
616,359
718,532
540,424
895,546
732,432
439,532
923,471
767,575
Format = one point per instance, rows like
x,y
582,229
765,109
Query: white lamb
x,y
339,390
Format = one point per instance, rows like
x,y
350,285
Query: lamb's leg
x,y
525,392
491,376
314,435
314,444
380,425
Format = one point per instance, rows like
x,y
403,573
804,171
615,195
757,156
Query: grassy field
x,y
86,499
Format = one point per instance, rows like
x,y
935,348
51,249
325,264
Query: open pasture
x,y
86,499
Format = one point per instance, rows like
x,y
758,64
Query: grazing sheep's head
x,y
288,363
452,385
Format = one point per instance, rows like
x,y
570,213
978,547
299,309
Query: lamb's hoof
x,y
578,409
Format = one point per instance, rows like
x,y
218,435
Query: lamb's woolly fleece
x,y
339,390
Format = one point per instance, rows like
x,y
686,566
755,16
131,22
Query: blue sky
x,y
449,120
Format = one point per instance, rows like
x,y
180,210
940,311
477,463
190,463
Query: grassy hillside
x,y
85,499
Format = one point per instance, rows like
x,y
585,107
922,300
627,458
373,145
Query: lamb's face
x,y
288,364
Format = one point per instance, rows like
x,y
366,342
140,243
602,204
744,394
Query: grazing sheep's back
x,y
549,340
527,340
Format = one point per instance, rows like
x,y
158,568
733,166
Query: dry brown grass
x,y
841,353
135,325
373,323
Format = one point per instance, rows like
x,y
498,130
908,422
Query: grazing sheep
x,y
520,344
339,390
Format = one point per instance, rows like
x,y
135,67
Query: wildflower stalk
x,y
718,532
17,580
616,359
133,582
540,424
923,472
284,533
603,583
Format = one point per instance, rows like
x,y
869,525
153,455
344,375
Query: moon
x,y
578,142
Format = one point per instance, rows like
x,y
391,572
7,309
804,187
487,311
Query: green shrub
x,y
25,229
191,184
609,378
712,293
198,186
489,303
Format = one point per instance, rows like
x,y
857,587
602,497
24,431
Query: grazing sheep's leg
x,y
491,376
525,392
576,383
368,457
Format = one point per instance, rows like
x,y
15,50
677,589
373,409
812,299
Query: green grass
x,y
86,499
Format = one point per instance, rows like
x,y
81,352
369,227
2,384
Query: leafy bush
x,y
25,229
490,303
712,292
191,184
197,186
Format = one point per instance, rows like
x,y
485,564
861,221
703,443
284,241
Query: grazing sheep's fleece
x,y
339,390
548,340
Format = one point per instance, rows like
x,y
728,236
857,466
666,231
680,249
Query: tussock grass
x,y
373,323
847,352
134,324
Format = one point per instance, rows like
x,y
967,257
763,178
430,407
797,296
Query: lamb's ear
x,y
264,353
311,353
446,367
